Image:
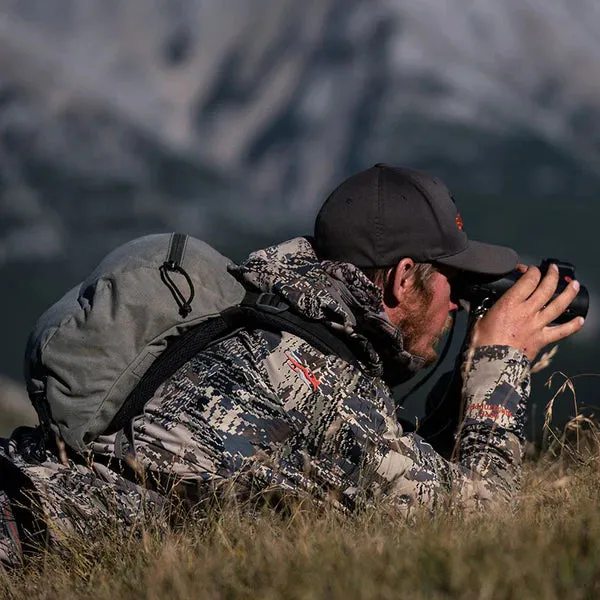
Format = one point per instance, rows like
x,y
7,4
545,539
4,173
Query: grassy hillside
x,y
546,546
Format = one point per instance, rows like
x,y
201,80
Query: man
x,y
265,411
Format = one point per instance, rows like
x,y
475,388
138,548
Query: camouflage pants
x,y
44,499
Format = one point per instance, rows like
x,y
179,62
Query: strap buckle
x,y
271,303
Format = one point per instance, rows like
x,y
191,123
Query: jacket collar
x,y
337,294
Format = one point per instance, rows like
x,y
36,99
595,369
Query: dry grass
x,y
546,546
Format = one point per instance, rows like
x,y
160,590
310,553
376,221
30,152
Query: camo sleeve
x,y
486,466
495,393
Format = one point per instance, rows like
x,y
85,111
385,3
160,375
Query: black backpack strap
x,y
269,311
257,310
178,352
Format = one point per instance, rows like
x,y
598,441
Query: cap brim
x,y
485,259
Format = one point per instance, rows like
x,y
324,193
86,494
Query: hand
x,y
520,318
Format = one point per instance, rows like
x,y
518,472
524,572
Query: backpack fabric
x,y
88,352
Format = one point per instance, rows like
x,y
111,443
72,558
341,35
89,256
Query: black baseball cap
x,y
386,213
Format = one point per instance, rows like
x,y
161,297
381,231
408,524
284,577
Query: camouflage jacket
x,y
271,411
267,411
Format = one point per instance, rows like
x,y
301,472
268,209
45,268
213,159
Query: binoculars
x,y
481,293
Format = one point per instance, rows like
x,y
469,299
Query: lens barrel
x,y
481,291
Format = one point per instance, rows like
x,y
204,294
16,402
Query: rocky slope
x,y
137,113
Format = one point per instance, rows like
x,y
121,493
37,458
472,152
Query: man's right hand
x,y
521,317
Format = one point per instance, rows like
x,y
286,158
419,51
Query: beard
x,y
445,329
414,323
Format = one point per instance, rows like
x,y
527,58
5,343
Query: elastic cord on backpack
x,y
173,264
185,307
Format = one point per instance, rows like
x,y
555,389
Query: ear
x,y
403,279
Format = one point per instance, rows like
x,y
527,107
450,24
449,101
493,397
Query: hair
x,y
422,273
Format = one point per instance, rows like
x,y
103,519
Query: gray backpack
x,y
96,356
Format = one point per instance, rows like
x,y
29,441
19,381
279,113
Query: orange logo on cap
x,y
459,221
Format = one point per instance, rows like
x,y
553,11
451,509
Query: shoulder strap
x,y
269,311
257,310
178,352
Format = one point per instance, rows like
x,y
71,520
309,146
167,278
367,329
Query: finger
x,y
559,332
521,267
558,306
525,285
545,290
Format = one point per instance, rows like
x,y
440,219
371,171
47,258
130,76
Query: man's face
x,y
424,316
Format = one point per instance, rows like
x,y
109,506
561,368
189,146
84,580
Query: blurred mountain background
x,y
232,120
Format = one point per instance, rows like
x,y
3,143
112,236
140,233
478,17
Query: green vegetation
x,y
546,546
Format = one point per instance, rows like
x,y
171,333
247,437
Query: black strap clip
x,y
271,303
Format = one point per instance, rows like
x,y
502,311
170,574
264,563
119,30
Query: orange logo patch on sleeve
x,y
459,221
